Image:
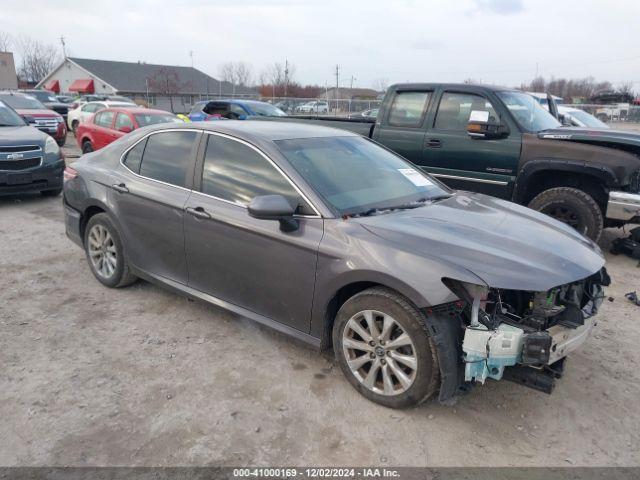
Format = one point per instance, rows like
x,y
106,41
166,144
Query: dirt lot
x,y
141,376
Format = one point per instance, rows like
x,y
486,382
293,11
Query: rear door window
x,y
168,157
408,109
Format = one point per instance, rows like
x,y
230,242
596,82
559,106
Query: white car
x,y
84,112
314,107
579,118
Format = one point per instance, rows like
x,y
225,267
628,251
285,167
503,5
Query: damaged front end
x,y
524,336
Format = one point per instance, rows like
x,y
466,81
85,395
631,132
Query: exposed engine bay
x,y
525,336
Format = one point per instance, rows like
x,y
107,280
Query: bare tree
x,y
626,88
5,41
37,59
244,73
166,81
381,84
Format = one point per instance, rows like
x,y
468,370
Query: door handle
x,y
120,187
198,212
434,143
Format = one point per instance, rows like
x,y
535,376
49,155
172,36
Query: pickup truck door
x,y
402,129
464,162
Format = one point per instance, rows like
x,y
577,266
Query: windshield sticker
x,y
479,116
415,177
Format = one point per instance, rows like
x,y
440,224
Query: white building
x,y
166,87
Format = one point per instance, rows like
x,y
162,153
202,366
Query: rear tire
x,y
87,147
572,206
105,252
383,347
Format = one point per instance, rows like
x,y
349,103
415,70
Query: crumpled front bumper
x,y
623,206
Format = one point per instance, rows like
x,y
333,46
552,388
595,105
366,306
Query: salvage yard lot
x,y
142,376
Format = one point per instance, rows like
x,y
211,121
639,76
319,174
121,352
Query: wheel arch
x,y
542,174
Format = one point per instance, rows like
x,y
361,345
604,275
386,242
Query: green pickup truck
x,y
501,142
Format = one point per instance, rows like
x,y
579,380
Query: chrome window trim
x,y
278,169
124,154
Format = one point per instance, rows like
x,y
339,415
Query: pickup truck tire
x,y
573,207
383,347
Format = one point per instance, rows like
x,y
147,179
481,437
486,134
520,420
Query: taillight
x,y
69,174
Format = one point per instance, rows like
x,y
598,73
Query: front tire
x,y
87,147
105,252
74,126
383,348
572,206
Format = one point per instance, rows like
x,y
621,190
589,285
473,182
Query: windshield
x,y
9,118
528,112
587,119
145,119
266,110
23,102
355,175
43,96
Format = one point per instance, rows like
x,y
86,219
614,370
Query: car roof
x,y
265,130
136,109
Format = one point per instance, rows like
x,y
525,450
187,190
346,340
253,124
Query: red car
x,y
37,114
110,124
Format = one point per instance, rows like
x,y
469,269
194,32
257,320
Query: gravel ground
x,y
141,376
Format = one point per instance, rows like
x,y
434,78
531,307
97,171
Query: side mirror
x,y
274,207
29,119
125,129
487,130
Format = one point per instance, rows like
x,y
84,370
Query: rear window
x,y
408,108
145,119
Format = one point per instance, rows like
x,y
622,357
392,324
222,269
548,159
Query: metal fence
x,y
319,106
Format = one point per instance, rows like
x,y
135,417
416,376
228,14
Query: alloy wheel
x,y
102,251
379,352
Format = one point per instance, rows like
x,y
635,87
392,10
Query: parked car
x,y
287,106
30,160
86,110
232,110
119,98
66,99
575,117
420,289
502,142
370,114
317,106
37,114
110,124
50,101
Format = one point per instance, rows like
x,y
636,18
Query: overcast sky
x,y
495,41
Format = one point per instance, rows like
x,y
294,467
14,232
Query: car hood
x,y
508,246
21,135
592,135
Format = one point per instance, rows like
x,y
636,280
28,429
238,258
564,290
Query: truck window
x,y
408,108
455,109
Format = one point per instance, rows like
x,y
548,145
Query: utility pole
x,y
351,93
193,87
337,86
64,47
286,76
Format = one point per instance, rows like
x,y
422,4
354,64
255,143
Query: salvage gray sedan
x,y
326,236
